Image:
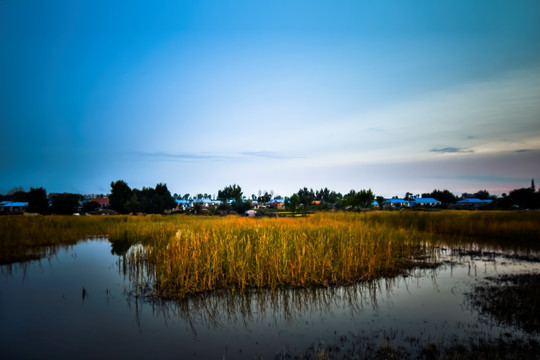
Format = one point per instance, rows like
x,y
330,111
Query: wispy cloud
x,y
268,154
523,150
451,150
177,157
164,156
482,179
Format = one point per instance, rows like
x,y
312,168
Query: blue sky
x,y
271,95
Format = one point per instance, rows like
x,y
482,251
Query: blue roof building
x,y
206,202
13,206
276,203
424,202
395,203
473,203
183,203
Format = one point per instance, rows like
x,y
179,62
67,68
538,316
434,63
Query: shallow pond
x,y
81,303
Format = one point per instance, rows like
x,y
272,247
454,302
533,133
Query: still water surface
x,y
81,304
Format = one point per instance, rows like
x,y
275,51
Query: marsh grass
x,y
180,256
511,299
243,253
367,348
29,238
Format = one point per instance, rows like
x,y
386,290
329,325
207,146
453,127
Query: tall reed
x,y
242,253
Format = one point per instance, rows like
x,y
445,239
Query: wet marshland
x,y
86,301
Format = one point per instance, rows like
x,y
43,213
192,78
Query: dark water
x,y
80,304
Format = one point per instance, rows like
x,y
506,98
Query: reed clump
x,y
245,253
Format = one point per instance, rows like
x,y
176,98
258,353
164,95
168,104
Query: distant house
x,y
182,204
103,202
276,203
206,202
473,203
375,204
424,202
13,207
395,204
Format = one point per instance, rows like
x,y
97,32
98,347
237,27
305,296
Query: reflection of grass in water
x,y
511,299
225,307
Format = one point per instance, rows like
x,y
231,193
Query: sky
x,y
388,95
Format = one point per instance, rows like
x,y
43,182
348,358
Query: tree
x,y
66,203
365,198
17,194
505,201
323,195
148,200
361,199
444,196
525,198
292,203
166,201
334,197
306,198
120,194
37,201
482,195
241,206
16,189
231,192
89,206
265,198
133,205
350,199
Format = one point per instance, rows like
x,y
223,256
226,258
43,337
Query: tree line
x,y
157,200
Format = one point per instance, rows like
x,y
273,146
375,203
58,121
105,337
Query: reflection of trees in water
x,y
120,247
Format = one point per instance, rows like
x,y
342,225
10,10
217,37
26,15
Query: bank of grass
x,y
183,255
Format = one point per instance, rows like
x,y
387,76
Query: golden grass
x,y
243,253
183,255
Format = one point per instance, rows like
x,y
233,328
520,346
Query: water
x,y
80,303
